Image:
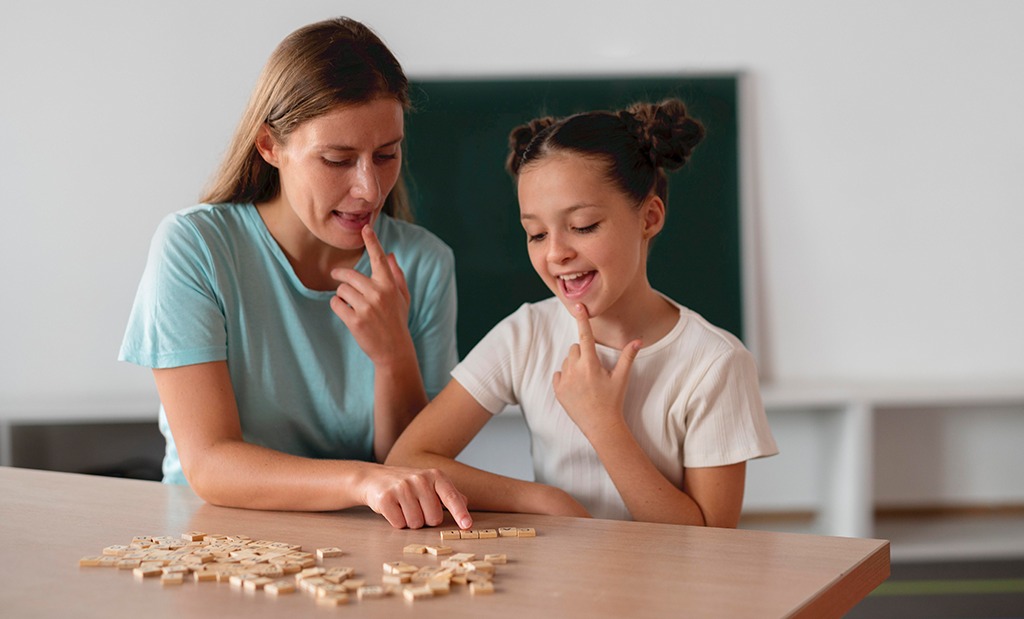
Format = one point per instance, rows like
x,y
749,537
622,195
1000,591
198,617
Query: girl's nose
x,y
559,251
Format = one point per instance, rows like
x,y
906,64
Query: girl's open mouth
x,y
574,285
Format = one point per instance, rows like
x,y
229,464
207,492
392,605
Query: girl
x,y
637,407
289,350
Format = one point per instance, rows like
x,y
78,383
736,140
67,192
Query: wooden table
x,y
573,568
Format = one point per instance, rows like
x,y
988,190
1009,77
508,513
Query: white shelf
x,y
848,507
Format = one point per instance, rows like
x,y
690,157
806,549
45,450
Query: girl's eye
x,y
338,163
386,156
533,238
588,229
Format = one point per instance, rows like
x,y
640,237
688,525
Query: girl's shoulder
x,y
540,314
537,322
694,330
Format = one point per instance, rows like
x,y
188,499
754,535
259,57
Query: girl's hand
x,y
414,497
375,308
591,395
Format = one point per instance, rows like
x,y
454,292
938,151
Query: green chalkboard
x,y
457,137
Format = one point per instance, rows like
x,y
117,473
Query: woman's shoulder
x,y
207,230
205,218
400,236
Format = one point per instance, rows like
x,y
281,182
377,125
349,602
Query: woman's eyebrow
x,y
347,147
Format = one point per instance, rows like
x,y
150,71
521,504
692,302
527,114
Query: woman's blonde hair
x,y
314,70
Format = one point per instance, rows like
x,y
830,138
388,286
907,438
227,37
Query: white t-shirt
x,y
692,401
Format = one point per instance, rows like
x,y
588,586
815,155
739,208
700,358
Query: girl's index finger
x,y
587,343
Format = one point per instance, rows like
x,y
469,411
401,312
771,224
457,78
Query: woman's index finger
x,y
378,259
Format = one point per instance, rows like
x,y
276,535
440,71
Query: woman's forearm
x,y
234,473
399,396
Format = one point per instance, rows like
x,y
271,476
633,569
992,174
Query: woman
x,y
294,324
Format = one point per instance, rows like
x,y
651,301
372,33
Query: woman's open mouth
x,y
353,221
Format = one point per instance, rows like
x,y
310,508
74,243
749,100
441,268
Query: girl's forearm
x,y
649,495
486,491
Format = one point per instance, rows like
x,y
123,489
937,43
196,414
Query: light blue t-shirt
x,y
218,287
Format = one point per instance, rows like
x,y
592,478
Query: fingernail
x,y
465,523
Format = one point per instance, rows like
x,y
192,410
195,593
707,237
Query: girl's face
x,y
337,169
586,239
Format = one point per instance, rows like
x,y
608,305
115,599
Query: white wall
x,y
888,144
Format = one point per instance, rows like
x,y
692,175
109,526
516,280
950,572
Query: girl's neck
x,y
647,316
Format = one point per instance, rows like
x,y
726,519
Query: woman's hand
x,y
414,497
591,395
375,308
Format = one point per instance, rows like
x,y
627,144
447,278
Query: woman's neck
x,y
311,259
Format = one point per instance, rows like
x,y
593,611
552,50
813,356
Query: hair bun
x,y
519,140
665,131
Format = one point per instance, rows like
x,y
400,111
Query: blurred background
x,y
880,145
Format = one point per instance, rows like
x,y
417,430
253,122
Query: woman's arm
x,y
376,311
593,397
442,431
223,469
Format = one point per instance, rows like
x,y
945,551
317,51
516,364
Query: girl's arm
x,y
442,431
223,469
711,496
593,397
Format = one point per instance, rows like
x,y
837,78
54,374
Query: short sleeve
x,y
177,317
433,319
489,372
725,419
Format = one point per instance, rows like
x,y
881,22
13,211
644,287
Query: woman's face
x,y
337,169
586,239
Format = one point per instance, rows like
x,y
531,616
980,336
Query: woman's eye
x,y
337,162
386,156
533,238
588,229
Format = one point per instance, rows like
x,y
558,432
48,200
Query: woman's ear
x,y
654,217
267,146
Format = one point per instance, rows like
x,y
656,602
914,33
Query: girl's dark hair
x,y
638,144
315,69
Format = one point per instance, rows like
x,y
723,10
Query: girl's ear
x,y
267,146
654,217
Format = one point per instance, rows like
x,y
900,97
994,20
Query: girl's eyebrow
x,y
568,210
346,147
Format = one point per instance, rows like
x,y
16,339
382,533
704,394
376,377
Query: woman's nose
x,y
366,184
